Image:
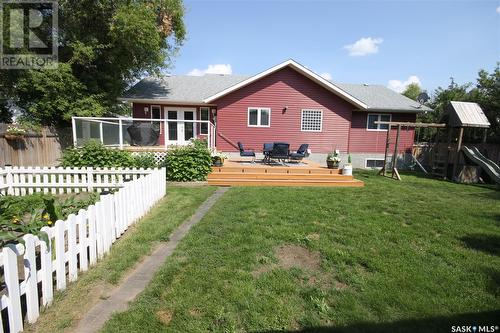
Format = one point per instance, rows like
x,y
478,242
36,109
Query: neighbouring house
x,y
287,102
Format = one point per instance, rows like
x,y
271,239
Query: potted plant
x,y
15,132
333,160
347,170
218,158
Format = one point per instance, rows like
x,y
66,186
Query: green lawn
x,y
417,255
131,248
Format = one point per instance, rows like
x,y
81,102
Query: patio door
x,y
181,130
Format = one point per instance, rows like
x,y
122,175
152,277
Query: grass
x,y
411,256
179,204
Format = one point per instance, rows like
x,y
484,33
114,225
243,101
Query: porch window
x,y
373,117
312,121
204,112
259,117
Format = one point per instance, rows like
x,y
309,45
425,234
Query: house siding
x,y
362,140
283,88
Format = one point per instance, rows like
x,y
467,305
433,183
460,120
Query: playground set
x,y
457,118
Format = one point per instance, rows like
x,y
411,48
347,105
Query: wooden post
x,y
101,132
387,143
395,156
457,152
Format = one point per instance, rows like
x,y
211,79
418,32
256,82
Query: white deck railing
x,y
113,131
75,244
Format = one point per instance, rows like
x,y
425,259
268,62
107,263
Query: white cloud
x,y
498,9
400,86
326,76
212,69
364,46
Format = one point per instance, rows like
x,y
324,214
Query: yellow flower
x,y
45,216
49,222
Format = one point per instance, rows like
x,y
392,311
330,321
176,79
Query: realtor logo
x,y
28,34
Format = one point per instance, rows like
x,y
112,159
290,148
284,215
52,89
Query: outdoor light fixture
x,y
285,109
146,109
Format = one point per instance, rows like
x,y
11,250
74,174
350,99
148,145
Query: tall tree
x,y
104,45
412,91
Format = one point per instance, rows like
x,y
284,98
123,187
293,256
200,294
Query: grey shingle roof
x,y
378,97
183,88
194,89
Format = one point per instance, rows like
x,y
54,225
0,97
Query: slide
x,y
490,167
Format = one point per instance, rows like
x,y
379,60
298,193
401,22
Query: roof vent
x,y
366,84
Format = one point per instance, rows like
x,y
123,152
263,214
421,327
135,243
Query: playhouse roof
x,y
465,114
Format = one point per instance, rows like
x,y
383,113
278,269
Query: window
x,y
374,163
312,120
372,118
259,117
204,112
155,112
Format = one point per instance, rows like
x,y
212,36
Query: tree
x,y
486,92
412,91
104,46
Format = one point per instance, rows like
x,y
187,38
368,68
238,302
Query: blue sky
x,y
377,42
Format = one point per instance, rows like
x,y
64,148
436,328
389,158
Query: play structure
x,y
448,145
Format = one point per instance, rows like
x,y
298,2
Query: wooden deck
x,y
235,173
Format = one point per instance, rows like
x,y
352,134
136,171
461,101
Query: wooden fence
x,y
44,148
75,244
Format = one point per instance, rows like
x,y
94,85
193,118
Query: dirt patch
x,y
293,256
164,316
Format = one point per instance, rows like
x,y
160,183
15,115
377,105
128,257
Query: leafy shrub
x,y
188,163
28,214
145,160
95,154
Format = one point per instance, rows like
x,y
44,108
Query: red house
x,y
287,102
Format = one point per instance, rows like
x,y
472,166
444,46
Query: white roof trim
x,y
298,67
161,101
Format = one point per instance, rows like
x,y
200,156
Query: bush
x,y
145,160
95,154
188,163
28,214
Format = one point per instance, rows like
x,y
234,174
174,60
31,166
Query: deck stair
x,y
232,174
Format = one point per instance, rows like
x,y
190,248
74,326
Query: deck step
x,y
284,182
274,169
277,176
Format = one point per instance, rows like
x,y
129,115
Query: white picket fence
x,y
75,244
28,180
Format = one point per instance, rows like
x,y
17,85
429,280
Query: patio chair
x,y
280,152
265,150
300,154
246,153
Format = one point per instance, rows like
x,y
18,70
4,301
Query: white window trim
x,y
372,159
208,118
259,110
302,119
378,129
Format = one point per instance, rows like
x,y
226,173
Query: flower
x,y
49,222
45,216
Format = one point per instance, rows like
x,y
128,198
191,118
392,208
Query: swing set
x,y
399,125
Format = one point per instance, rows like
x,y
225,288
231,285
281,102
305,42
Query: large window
x,y
259,117
373,117
204,112
312,121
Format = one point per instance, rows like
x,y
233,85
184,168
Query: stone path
x,y
139,278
